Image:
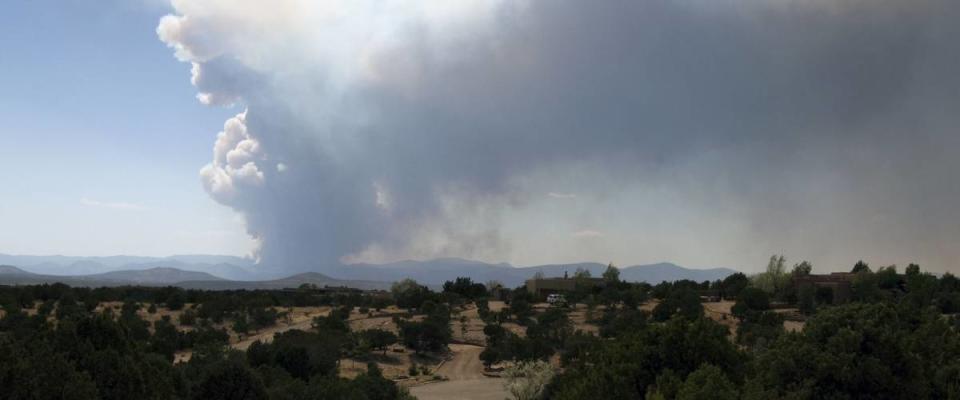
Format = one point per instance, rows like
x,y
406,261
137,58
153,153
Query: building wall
x,y
557,285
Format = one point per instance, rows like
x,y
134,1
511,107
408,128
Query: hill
x,y
11,270
226,272
158,275
435,272
314,278
228,267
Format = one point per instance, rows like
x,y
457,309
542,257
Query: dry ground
x,y
720,311
466,380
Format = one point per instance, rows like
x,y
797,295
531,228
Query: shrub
x,y
527,380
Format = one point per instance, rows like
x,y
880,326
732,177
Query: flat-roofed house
x,y
545,286
840,284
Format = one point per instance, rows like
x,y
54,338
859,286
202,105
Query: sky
x,y
101,141
313,133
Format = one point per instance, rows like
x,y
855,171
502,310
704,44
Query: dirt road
x,y
465,364
466,380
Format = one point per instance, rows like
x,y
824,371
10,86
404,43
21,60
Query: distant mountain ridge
x,y
435,272
293,281
10,275
202,271
228,267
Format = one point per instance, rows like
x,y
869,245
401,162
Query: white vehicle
x,y
556,299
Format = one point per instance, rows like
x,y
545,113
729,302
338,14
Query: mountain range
x,y
227,272
226,267
435,272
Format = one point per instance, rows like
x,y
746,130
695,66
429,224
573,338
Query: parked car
x,y
556,299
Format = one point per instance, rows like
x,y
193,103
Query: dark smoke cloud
x,y
722,131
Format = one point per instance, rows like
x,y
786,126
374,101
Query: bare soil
x,y
464,372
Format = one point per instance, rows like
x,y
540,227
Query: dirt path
x,y
465,364
472,389
466,380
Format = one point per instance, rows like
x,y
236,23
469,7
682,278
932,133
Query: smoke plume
x,y
701,132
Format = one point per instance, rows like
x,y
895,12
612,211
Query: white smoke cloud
x,y
705,132
234,166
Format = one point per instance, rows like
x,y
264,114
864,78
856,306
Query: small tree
x,y
775,277
733,284
612,274
708,383
861,266
806,299
175,301
378,338
410,294
229,380
240,324
188,318
750,303
465,287
526,380
913,270
802,269
489,356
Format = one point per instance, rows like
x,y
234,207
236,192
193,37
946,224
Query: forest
x,y
895,336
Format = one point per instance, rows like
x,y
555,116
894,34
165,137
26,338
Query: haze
x,y
706,133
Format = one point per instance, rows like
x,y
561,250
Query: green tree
x,y
859,267
775,278
176,300
229,380
37,371
410,294
913,270
733,284
431,334
806,299
897,353
612,274
683,301
708,383
165,340
751,300
240,324
464,286
116,375
628,366
378,338
804,268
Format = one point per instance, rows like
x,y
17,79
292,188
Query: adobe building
x,y
840,284
545,286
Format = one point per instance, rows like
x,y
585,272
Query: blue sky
x,y
102,137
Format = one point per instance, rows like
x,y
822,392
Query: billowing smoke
x,y
702,132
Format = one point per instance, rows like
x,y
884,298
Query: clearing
x,y
466,379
